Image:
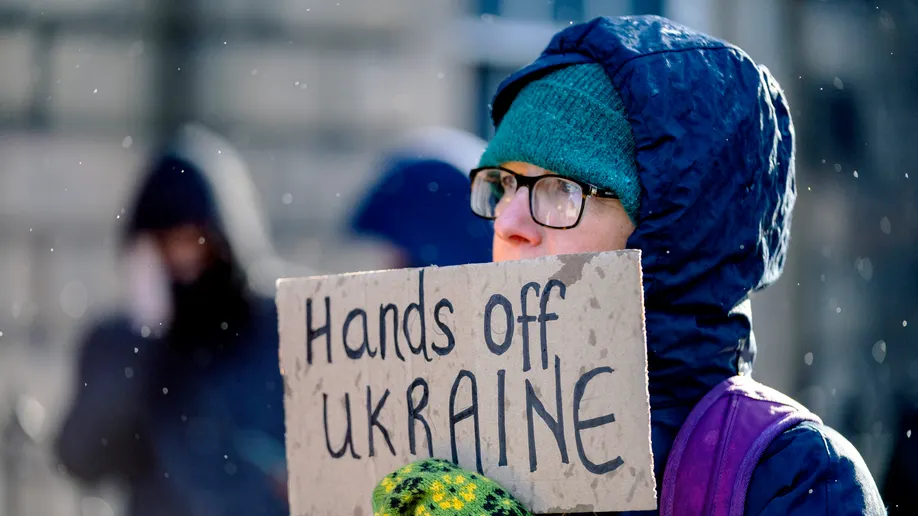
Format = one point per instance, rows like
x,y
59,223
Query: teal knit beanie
x,y
572,122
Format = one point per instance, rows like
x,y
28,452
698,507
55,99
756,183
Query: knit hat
x,y
572,122
435,487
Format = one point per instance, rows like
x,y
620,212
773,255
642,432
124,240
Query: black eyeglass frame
x,y
586,190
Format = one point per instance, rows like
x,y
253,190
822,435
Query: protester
x,y
674,143
418,203
180,396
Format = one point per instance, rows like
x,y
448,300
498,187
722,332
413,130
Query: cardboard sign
x,y
533,373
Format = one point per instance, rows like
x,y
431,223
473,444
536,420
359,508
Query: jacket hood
x,y
419,201
715,156
198,176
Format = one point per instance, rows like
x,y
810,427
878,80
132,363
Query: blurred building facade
x,y
309,90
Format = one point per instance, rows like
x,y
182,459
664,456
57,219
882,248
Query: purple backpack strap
x,y
720,444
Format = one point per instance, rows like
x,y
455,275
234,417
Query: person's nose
x,y
515,224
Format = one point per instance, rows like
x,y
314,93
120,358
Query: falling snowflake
x,y
879,351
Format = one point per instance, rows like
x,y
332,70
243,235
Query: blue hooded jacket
x,y
715,157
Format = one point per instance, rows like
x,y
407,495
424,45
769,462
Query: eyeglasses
x,y
554,202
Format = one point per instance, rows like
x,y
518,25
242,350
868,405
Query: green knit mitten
x,y
436,487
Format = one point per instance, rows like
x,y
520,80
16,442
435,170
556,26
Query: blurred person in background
x,y
180,397
418,203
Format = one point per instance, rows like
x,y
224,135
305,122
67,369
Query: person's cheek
x,y
587,237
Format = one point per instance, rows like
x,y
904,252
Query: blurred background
x,y
310,91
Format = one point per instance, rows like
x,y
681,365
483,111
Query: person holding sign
x,y
639,133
